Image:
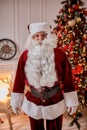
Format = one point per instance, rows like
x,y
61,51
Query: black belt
x,y
45,94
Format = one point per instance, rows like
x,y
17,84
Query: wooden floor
x,y
82,121
21,122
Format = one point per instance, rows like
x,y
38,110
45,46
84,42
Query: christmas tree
x,y
71,30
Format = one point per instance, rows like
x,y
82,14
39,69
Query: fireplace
x,y
5,85
7,72
7,75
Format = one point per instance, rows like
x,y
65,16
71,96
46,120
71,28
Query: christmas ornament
x,y
72,22
78,20
76,6
70,36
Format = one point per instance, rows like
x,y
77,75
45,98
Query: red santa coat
x,y
55,105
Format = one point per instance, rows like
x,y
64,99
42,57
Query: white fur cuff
x,y
71,98
16,99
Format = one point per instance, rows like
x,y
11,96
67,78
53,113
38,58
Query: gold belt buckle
x,y
26,89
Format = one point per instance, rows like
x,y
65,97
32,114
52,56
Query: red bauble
x,y
77,70
76,7
59,35
65,31
85,12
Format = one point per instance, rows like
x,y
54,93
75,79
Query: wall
x,y
15,15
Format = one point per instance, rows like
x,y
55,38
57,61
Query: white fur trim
x,y
43,112
16,99
39,27
71,98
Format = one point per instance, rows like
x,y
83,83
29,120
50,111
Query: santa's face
x,y
40,36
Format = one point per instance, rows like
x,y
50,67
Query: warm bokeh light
x,y
3,90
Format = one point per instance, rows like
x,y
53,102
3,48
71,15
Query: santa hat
x,y
39,27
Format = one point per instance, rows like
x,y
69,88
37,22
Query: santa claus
x,y
43,86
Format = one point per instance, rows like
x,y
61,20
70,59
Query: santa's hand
x,y
72,110
16,110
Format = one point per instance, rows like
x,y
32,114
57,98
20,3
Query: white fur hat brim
x,y
39,27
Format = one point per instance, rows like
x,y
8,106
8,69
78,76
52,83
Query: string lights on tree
x,y
71,30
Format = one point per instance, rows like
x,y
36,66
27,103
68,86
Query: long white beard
x,y
40,65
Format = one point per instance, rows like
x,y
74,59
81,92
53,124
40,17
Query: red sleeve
x,y
67,76
63,69
19,83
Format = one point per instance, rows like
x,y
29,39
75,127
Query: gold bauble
x,y
69,9
71,36
72,22
78,20
84,49
84,36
